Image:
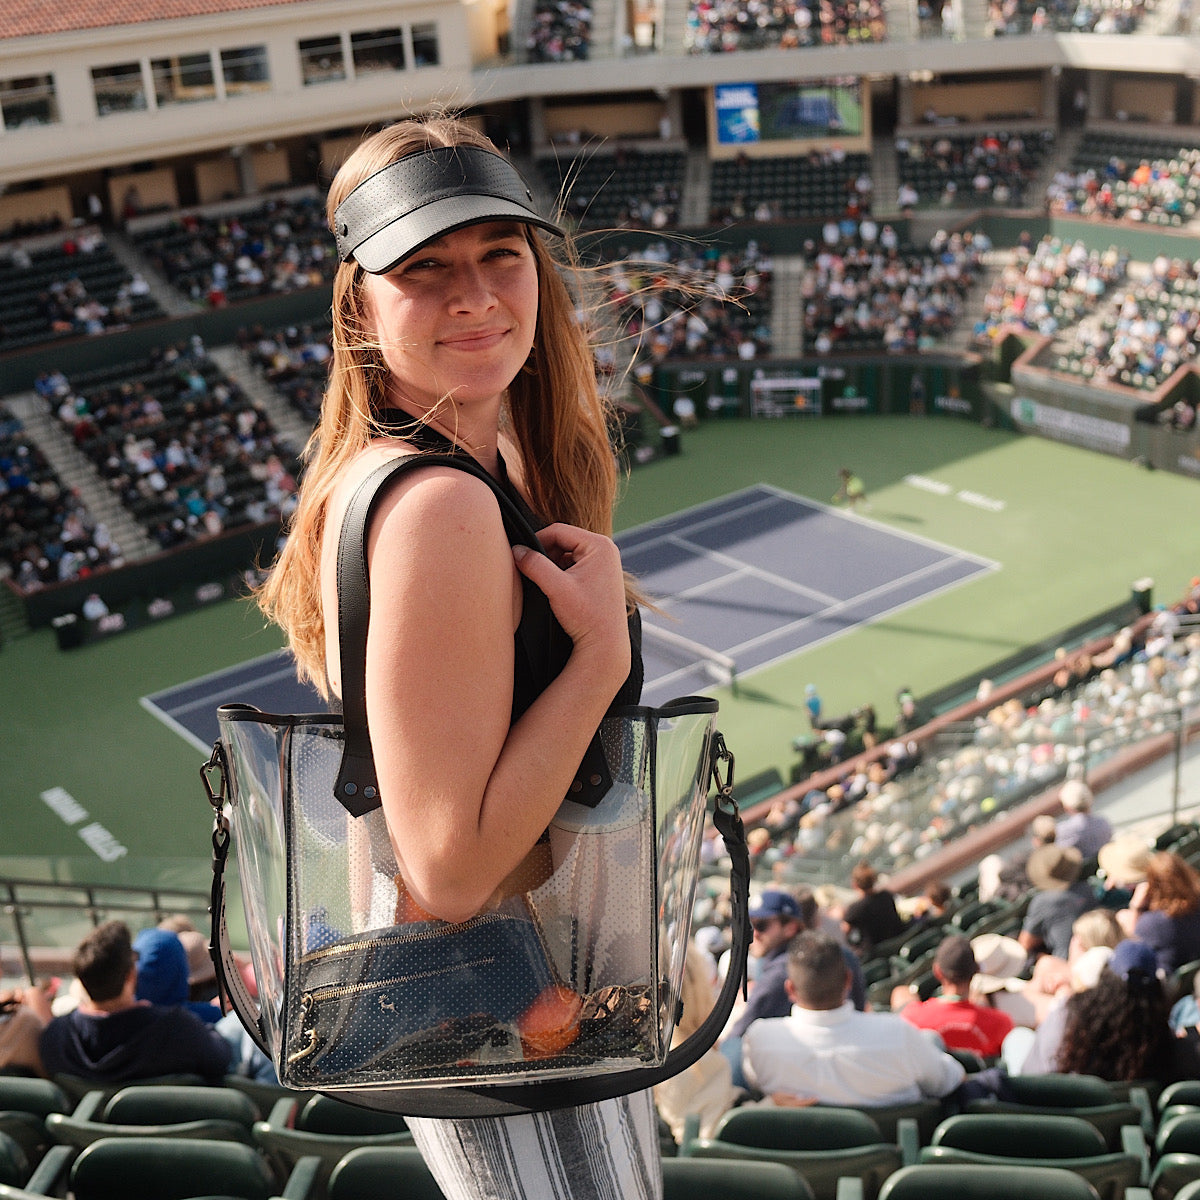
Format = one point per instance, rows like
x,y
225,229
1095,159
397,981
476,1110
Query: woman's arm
x,y
466,796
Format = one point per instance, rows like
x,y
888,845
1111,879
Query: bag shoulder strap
x,y
357,787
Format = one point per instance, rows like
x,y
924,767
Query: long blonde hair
x,y
554,413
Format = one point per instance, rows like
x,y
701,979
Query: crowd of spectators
x,y
181,446
916,799
726,26
75,287
992,168
862,290
1012,17
1162,190
1140,339
560,31
1050,286
677,300
825,180
294,360
280,246
47,534
619,187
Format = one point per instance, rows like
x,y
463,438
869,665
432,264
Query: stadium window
x,y
184,79
425,44
377,50
28,100
322,60
118,88
244,69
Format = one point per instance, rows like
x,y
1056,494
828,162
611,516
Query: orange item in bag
x,y
551,1023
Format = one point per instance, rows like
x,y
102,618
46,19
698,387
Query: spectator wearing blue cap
x,y
1120,1029
776,917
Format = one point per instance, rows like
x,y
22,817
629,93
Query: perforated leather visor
x,y
423,196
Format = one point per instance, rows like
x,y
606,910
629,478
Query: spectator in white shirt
x,y
829,1053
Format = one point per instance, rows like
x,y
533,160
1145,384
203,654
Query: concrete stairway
x,y
291,427
77,473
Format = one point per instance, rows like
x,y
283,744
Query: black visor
x,y
424,196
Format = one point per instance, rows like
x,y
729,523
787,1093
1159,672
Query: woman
x,y
453,330
1119,1029
1164,911
1094,936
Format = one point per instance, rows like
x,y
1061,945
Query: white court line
x,y
919,539
170,722
858,625
746,568
842,605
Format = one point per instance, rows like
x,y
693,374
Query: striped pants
x,y
605,1151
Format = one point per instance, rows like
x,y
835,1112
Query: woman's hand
x,y
580,574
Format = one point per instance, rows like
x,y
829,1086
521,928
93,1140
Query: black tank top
x,y
537,619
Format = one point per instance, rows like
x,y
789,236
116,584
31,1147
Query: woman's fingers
x,y
580,574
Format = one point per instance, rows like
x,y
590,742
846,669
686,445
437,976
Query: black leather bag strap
x,y
357,787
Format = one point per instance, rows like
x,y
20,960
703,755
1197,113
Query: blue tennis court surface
x,y
755,576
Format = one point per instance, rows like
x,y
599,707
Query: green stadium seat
x,y
1015,1139
821,1144
971,1182
166,1168
325,1129
1084,1096
24,1106
154,1110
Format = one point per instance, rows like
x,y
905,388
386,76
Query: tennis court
x,y
742,582
738,537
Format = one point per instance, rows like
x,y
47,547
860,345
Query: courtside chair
x,y
821,1144
166,1168
25,1103
189,1111
1086,1096
970,1182
1026,1139
320,1127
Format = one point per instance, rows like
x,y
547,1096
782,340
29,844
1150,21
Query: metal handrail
x,y
93,901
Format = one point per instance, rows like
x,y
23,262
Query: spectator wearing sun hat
x,y
1122,864
1059,897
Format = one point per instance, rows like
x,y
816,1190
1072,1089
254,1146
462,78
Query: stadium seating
x,y
822,1144
638,188
165,1169
211,1113
973,1182
325,1129
1176,1154
267,248
14,1164
24,1106
1084,1096
49,297
1000,1139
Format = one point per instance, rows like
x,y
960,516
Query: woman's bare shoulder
x,y
434,491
